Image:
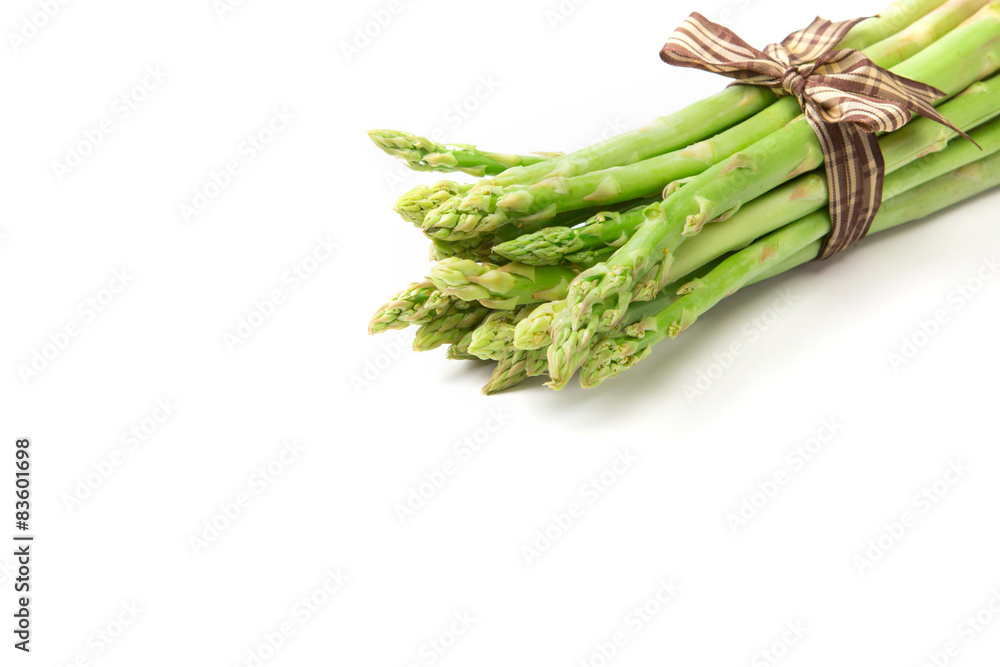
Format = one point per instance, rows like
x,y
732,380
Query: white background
x,y
554,85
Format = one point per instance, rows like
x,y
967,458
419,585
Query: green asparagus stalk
x,y
488,207
422,154
532,332
535,362
551,245
448,329
515,367
778,252
494,337
500,287
597,240
414,204
417,304
667,133
599,297
482,248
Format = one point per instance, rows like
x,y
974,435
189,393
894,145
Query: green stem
x,y
422,154
499,287
419,303
494,336
448,329
414,204
515,367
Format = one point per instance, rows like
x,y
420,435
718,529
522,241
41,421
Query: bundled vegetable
x,y
554,263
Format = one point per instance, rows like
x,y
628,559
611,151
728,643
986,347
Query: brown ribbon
x,y
846,98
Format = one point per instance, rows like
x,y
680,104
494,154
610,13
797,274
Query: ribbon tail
x,y
854,170
917,97
929,112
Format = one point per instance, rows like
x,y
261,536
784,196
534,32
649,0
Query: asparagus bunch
x,y
421,154
551,263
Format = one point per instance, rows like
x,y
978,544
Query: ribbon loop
x,y
845,97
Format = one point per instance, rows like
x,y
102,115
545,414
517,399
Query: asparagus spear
x,y
414,204
515,367
416,304
448,329
596,240
494,336
518,364
482,248
599,297
499,287
422,154
532,332
779,251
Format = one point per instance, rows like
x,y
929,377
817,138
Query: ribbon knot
x,y
795,79
845,97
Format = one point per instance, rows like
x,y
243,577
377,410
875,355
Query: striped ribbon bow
x,y
845,97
